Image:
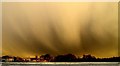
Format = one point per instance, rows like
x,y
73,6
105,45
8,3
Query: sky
x,y
36,28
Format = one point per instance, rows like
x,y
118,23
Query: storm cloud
x,y
59,28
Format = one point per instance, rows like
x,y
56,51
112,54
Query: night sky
x,y
30,29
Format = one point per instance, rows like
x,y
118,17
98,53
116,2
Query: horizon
x,y
59,58
78,56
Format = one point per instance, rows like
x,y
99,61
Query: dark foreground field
x,y
60,64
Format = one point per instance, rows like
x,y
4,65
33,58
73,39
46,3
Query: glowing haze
x,y
59,28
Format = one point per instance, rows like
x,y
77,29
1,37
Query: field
x,y
60,64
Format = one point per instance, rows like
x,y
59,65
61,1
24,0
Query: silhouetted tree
x,y
65,58
47,57
88,58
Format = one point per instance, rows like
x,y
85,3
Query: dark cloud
x,y
59,29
